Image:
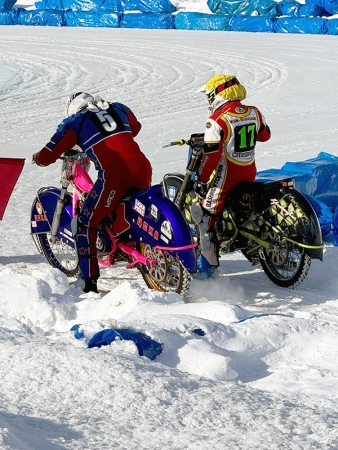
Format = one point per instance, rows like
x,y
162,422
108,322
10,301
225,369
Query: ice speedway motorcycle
x,y
271,223
147,231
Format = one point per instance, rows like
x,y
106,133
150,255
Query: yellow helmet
x,y
226,86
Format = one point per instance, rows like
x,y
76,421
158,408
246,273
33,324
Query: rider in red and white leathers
x,y
105,132
230,137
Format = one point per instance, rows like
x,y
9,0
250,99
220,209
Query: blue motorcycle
x,y
147,230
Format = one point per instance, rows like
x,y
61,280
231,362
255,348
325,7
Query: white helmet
x,y
77,102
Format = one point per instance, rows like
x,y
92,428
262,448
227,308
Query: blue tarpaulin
x,y
83,5
83,19
287,8
8,18
155,21
317,179
332,26
6,5
201,21
293,8
311,11
145,345
330,6
247,7
300,25
149,6
50,5
252,24
40,17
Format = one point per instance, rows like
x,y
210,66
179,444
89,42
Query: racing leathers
x,y
107,137
230,137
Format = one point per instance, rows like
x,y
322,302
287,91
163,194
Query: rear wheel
x,y
287,265
59,254
168,275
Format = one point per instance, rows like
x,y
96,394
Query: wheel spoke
x,y
59,254
168,275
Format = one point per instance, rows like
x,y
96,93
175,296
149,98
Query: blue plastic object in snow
x,y
145,345
77,333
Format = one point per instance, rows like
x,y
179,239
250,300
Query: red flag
x,y
10,169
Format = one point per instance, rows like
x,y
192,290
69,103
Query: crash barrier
x,y
267,16
317,179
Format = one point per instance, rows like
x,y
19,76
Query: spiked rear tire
x,y
168,275
286,267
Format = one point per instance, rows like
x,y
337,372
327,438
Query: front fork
x,y
58,211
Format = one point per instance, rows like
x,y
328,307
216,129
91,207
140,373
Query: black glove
x,y
196,140
71,152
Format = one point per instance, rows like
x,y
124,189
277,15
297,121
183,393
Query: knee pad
x,y
196,212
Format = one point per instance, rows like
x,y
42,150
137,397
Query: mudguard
x,y
313,230
171,184
262,194
42,214
156,220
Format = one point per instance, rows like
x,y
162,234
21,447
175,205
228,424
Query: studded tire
x,y
168,275
59,254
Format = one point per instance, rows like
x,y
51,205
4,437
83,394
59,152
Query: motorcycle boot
x,y
207,236
86,284
90,285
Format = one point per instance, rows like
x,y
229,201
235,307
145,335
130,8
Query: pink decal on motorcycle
x,y
150,230
185,247
156,235
145,226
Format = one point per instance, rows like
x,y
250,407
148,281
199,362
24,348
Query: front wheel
x,y
287,265
168,275
59,254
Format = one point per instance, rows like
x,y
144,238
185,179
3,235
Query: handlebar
x,y
196,140
178,142
73,155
